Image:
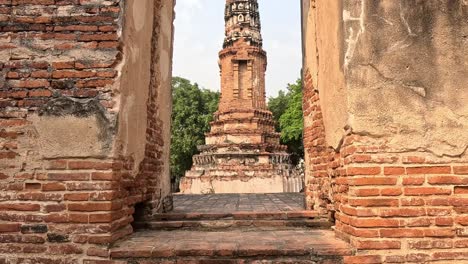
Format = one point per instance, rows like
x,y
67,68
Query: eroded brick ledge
x,y
303,245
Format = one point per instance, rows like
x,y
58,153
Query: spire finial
x,y
242,20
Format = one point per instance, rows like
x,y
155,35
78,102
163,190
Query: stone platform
x,y
234,228
284,246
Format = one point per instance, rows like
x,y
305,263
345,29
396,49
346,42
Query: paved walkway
x,y
223,203
231,244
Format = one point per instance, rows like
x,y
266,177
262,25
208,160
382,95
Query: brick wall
x,y
392,207
68,187
385,158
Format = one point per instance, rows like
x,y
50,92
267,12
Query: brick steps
x,y
232,224
278,215
235,246
224,221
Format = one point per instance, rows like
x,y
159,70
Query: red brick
x,y
461,190
417,191
32,186
98,252
105,176
414,180
444,221
68,176
90,207
76,196
76,28
442,201
395,259
78,218
371,259
374,202
363,170
362,181
447,180
429,170
418,222
462,220
391,191
17,94
53,186
107,28
55,208
394,170
40,93
439,232
97,165
63,65
412,202
94,64
36,83
9,227
402,212
366,192
438,211
401,232
375,222
450,255
19,207
455,201
460,170
461,243
13,75
430,244
417,257
377,244
61,74
40,74
101,218
95,83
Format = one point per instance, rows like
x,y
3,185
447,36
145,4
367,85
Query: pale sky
x,y
199,34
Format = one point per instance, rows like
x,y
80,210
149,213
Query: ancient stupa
x,y
243,153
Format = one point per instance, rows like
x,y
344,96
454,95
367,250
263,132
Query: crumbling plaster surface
x,y
392,69
323,58
135,78
164,98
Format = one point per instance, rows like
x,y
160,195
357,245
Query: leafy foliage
x,y
287,111
192,112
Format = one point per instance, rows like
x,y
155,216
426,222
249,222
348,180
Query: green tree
x,y
192,111
287,110
277,106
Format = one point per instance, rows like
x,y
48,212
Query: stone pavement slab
x,y
229,203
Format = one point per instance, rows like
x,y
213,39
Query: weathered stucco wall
x,y
406,71
385,126
145,90
323,58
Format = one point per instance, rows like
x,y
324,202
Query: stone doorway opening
x,y
242,151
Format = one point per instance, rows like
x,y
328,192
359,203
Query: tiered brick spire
x,y
242,152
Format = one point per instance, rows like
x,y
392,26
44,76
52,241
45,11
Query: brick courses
x,y
392,207
66,209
